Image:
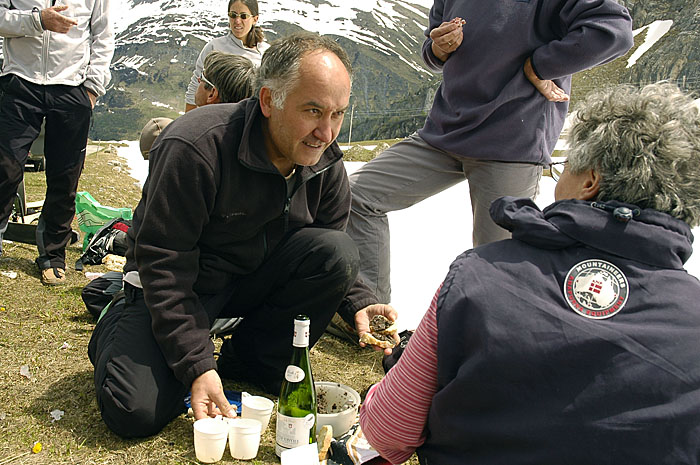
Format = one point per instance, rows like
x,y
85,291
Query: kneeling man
x,y
243,214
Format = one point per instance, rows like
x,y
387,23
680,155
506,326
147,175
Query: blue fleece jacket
x,y
485,107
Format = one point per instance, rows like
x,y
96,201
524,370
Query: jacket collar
x,y
252,151
651,237
239,43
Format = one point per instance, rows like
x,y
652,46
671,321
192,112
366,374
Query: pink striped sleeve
x,y
395,411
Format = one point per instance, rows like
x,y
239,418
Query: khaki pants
x,y
411,171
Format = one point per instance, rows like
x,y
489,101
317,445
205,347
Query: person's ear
x,y
591,185
266,101
213,96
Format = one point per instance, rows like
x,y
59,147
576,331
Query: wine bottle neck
x,y
301,336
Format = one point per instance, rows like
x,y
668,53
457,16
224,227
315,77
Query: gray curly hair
x,y
645,144
279,68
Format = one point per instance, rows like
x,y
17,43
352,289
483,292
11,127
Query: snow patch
x,y
656,31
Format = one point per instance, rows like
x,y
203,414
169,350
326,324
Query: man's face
x,y
312,115
205,93
200,95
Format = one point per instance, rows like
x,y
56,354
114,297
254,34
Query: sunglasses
x,y
556,169
243,16
206,81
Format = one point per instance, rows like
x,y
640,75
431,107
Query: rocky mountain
x,y
158,42
676,56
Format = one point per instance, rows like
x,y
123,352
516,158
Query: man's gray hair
x,y
232,75
645,144
279,69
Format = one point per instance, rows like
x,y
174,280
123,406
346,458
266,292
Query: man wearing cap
x,y
56,65
243,214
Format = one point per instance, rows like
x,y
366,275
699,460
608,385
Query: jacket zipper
x,y
46,42
45,56
288,201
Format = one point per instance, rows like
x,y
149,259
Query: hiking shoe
x,y
53,276
339,328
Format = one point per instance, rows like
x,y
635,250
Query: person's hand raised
x,y
54,21
447,37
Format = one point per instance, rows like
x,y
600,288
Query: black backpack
x,y
109,239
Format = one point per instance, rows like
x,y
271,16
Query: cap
x,y
150,132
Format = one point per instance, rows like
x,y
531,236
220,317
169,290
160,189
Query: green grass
x,y
36,321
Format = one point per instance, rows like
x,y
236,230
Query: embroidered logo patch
x,y
596,289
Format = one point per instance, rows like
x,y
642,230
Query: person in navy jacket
x,y
576,341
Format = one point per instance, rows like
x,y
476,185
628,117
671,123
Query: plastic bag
x,y
92,215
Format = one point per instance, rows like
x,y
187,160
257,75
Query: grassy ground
x,y
46,331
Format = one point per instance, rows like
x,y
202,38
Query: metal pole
x,y
352,112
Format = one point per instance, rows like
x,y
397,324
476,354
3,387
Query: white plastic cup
x,y
244,438
257,408
210,439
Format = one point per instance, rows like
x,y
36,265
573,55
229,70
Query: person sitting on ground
x,y
243,214
576,341
225,78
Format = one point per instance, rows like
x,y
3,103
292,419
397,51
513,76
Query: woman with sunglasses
x,y
244,38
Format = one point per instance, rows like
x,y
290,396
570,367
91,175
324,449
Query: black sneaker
x,y
339,328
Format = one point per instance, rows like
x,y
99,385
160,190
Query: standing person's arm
x,y
443,36
596,32
394,414
98,75
196,74
32,22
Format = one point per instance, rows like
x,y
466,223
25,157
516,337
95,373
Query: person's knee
x,y
339,254
128,418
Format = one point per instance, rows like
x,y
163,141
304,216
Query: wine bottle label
x,y
293,431
294,374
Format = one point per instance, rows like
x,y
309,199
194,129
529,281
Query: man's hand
x,y
54,21
546,87
363,316
208,399
446,38
93,98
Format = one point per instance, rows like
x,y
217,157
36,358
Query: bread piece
x,y
380,340
325,436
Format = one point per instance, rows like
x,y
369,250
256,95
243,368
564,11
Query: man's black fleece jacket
x,y
212,208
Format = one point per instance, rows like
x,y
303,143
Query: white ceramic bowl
x,y
341,401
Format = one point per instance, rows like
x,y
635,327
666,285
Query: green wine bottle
x,y
296,409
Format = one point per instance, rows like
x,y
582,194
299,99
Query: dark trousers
x,y
309,273
67,110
